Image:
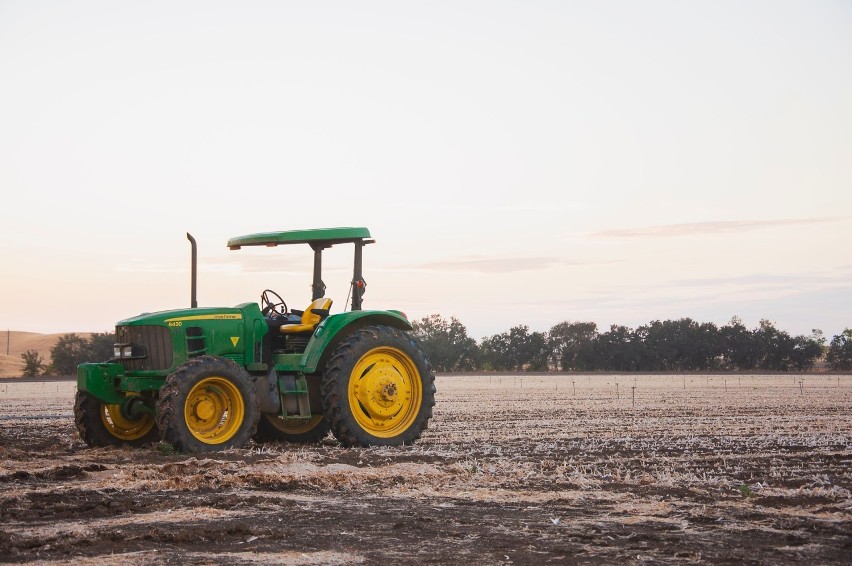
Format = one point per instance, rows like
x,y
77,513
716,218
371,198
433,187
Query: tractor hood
x,y
181,317
160,341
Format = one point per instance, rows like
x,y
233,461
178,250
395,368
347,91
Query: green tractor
x,y
205,379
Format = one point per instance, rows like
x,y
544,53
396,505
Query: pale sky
x,y
520,162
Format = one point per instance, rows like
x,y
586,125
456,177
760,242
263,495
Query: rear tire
x,y
272,428
378,388
100,424
207,404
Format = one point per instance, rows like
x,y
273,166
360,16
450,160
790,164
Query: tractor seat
x,y
312,316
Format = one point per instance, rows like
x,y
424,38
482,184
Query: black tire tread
x,y
90,427
336,377
170,419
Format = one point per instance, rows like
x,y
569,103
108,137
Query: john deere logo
x,y
234,340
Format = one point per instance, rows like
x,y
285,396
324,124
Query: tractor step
x,y
295,403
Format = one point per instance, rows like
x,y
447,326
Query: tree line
x,y
68,352
668,345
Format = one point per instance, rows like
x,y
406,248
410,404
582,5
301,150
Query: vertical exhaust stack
x,y
358,283
193,301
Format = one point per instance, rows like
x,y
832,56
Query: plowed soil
x,y
525,470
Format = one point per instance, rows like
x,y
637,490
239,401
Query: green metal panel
x,y
328,236
98,380
287,362
140,384
346,323
108,382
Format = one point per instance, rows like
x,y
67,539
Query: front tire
x,y
378,388
207,404
100,424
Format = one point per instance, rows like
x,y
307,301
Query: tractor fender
x,y
340,326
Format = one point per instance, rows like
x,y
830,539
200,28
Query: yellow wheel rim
x,y
385,392
123,428
294,426
214,410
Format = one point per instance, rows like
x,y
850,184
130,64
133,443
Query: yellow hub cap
x,y
123,428
214,410
385,392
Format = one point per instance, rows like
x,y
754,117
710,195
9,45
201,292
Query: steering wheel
x,y
271,307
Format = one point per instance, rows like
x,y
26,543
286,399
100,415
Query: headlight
x,y
128,351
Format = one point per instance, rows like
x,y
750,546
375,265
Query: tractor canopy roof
x,y
317,237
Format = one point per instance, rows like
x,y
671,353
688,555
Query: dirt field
x,y
525,470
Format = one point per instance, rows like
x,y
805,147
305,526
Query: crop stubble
x,y
523,469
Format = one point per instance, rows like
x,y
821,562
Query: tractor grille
x,y
157,341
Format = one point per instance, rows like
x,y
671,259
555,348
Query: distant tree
x,y
446,343
807,350
617,349
515,350
840,351
572,345
100,346
71,350
33,364
658,345
774,347
737,345
536,351
496,353
68,352
647,352
709,352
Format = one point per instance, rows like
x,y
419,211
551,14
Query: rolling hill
x,y
16,343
